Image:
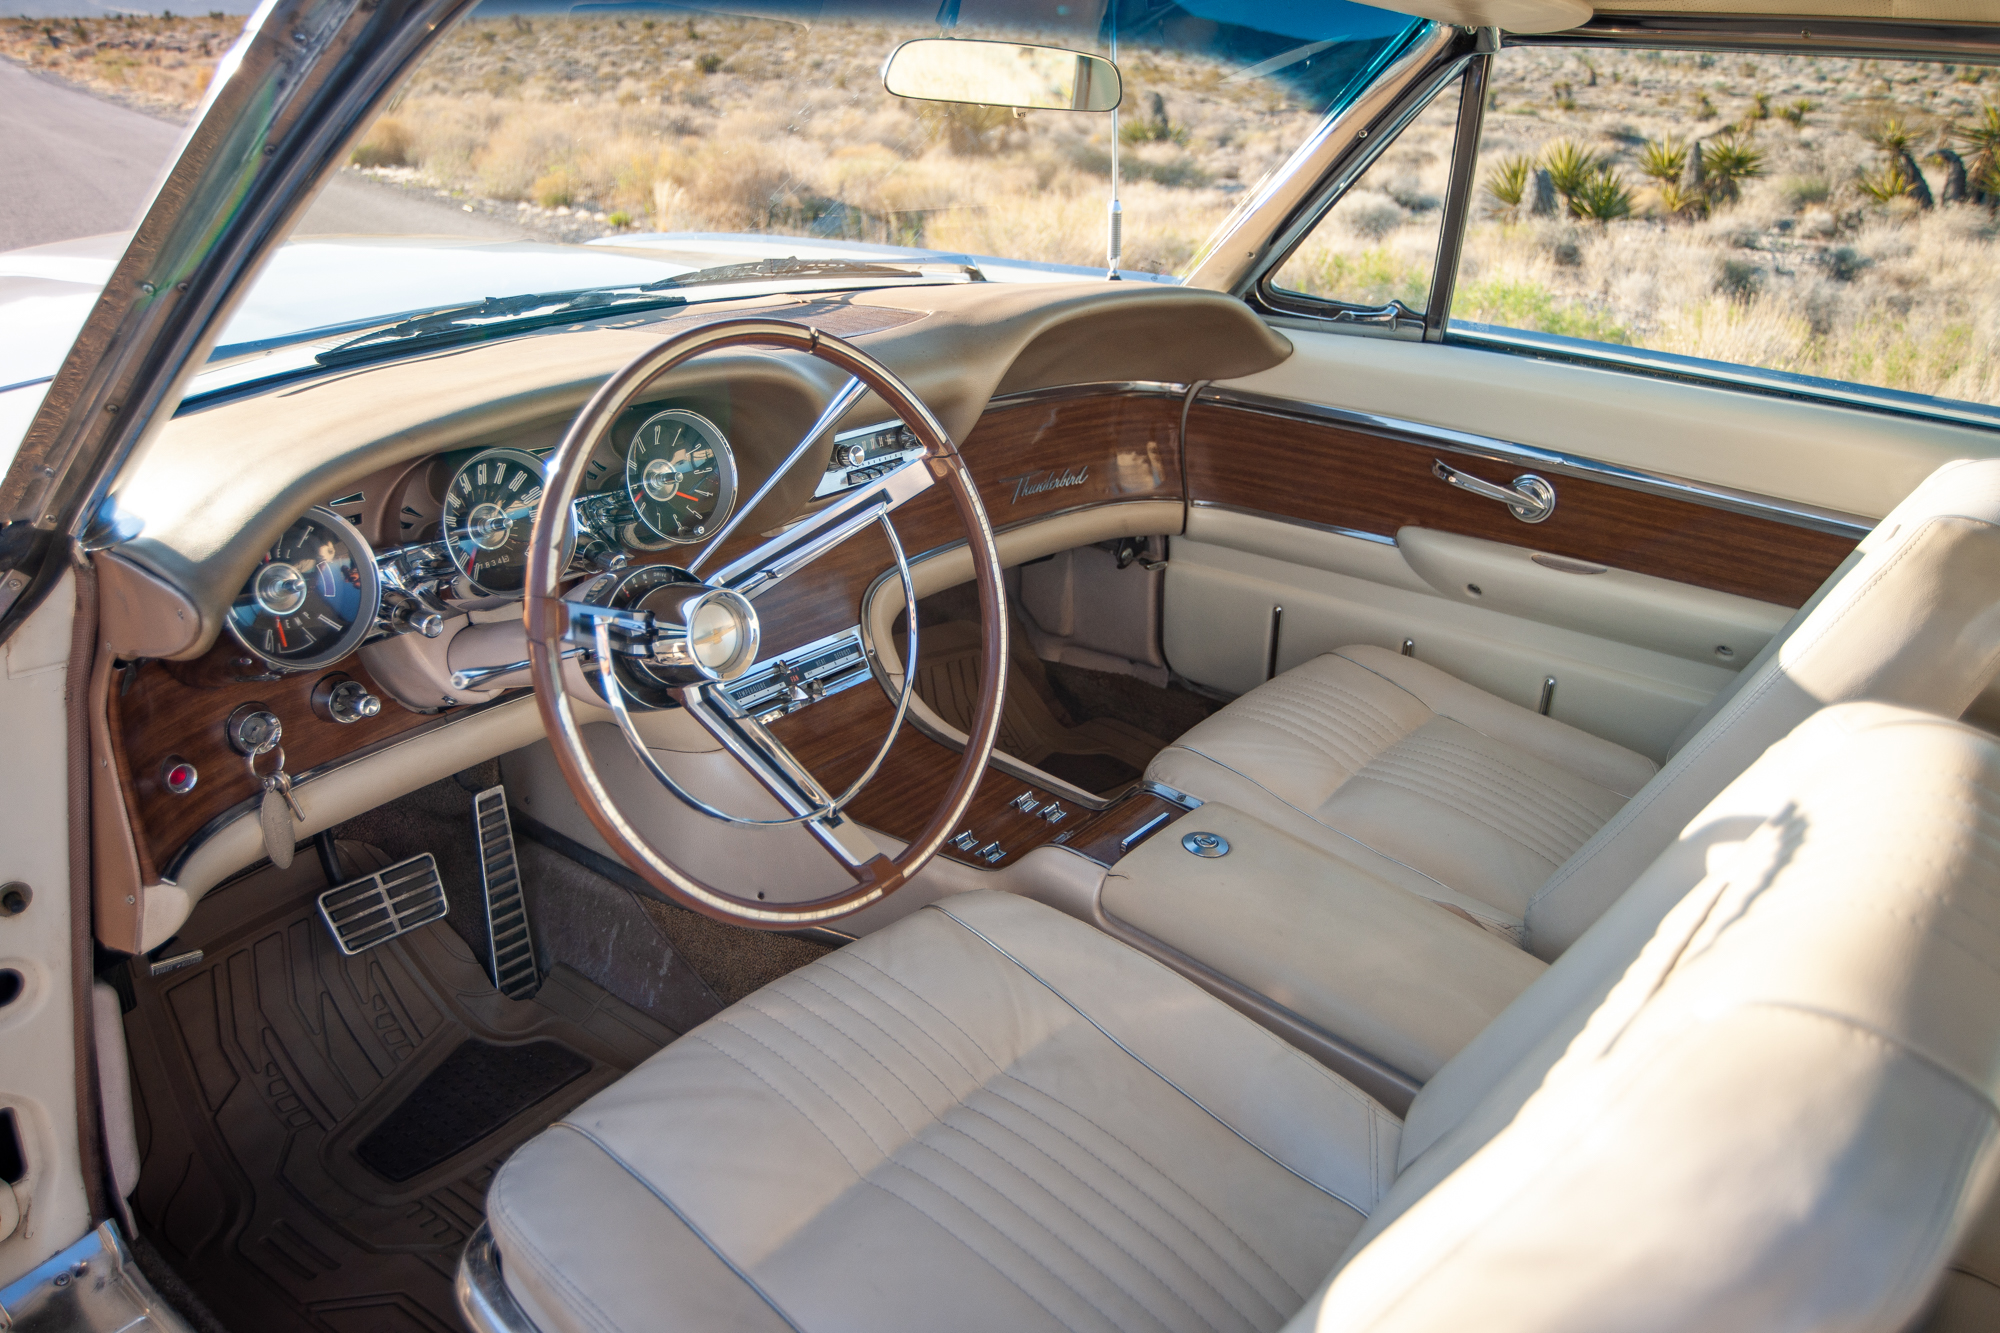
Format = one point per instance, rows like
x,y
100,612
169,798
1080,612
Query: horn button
x,y
711,634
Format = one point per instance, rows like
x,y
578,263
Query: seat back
x,y
1912,618
1779,1112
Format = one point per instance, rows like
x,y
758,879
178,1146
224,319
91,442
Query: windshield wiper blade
x,y
791,267
496,317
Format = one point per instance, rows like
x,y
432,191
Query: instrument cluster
x,y
322,590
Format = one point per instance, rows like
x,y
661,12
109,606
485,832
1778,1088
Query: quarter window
x,y
1822,217
1379,243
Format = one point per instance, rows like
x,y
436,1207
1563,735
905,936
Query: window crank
x,y
253,733
1530,498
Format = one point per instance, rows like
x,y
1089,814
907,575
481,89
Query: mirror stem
x,y
1115,245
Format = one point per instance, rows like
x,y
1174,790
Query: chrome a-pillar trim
x,y
285,103
483,1299
1267,223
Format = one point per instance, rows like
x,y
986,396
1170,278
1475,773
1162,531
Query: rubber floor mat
x,y
260,1072
1103,755
477,1089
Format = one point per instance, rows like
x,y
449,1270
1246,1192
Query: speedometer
x,y
312,599
681,475
489,514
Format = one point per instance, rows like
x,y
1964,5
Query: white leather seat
x,y
1760,1093
1533,827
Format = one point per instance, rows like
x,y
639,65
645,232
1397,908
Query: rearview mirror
x,y
1032,78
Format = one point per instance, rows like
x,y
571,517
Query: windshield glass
x,y
545,148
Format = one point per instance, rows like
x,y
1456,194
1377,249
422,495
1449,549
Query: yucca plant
x,y
1663,159
1570,165
1891,135
1602,198
1795,114
1507,182
1726,163
1886,184
1982,173
1676,200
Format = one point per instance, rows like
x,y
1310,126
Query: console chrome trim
x,y
1790,512
483,1299
1334,528
1057,392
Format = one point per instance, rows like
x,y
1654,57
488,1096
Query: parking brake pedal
x,y
375,909
511,944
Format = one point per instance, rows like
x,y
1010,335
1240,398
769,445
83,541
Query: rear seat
x,y
1532,828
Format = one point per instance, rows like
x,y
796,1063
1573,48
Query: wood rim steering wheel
x,y
558,625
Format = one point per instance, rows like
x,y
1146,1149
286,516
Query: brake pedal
x,y
375,909
510,944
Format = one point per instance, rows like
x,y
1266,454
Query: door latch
x,y
1530,498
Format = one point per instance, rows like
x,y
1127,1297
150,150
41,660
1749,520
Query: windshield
x,y
548,148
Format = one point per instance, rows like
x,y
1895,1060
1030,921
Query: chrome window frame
x,y
1767,35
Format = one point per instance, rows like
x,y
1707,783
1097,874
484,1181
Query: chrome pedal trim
x,y
375,909
510,942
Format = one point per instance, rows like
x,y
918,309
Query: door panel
x,y
1330,473
1232,569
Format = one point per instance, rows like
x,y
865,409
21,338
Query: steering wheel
x,y
683,638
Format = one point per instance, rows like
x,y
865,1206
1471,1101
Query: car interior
x,y
1162,812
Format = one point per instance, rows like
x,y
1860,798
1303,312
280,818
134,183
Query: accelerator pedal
x,y
375,909
511,948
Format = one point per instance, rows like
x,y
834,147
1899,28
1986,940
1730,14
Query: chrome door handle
x,y
1394,315
1530,498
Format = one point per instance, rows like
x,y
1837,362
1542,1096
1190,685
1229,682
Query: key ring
x,y
276,773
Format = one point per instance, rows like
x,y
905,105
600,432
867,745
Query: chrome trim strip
x,y
248,807
1333,528
1725,374
1235,255
483,1299
1791,512
1774,32
1057,392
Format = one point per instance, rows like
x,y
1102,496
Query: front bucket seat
x,y
1778,1113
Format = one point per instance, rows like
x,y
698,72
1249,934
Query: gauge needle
x,y
281,634
685,496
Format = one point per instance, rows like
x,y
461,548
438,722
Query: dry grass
x,y
718,124
163,64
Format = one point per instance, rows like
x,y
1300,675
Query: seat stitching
x,y
1474,816
973,1250
754,1073
1053,1235
1025,1252
1342,1086
1301,718
835,1061
1502,922
1217,1218
915,1059
742,1275
1164,1243
1557,807
926,1002
553,1272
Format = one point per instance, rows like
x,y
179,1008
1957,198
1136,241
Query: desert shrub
x,y
1888,183
1374,276
1738,279
1726,163
1371,217
1677,200
1803,192
1795,114
387,144
1843,263
1521,304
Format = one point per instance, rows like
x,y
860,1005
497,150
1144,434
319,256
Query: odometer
x,y
312,599
681,475
489,514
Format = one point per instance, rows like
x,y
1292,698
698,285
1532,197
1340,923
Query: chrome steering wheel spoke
x,y
758,571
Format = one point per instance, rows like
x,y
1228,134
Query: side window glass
x,y
1379,242
1814,216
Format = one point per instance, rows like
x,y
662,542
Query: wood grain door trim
x,y
1369,482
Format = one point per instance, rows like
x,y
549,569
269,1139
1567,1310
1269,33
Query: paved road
x,y
74,165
